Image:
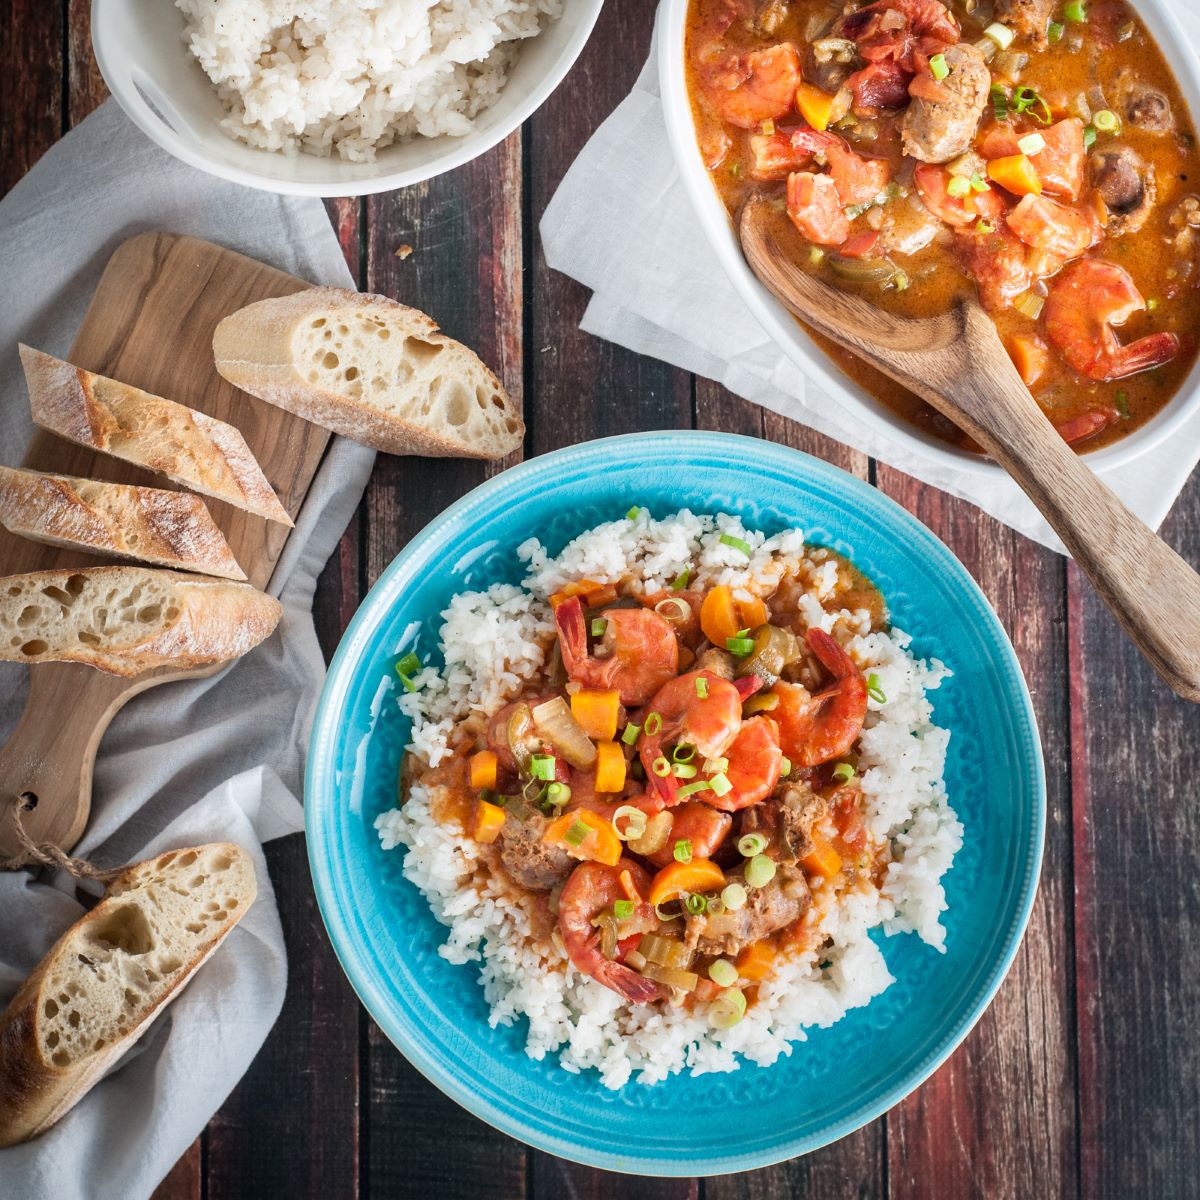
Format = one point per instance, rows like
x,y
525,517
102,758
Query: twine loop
x,y
47,854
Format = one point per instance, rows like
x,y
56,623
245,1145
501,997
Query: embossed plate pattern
x,y
839,1078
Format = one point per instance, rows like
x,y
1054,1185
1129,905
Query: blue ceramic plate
x,y
841,1077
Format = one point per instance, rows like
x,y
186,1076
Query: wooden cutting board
x,y
150,324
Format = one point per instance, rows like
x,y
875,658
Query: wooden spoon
x,y
957,363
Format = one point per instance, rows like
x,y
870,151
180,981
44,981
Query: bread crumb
x,y
404,251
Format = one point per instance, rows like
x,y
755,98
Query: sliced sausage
x,y
1127,187
935,131
784,900
530,863
1026,18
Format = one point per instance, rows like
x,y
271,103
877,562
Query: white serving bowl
x,y
791,337
156,80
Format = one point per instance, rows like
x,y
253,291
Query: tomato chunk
x,y
932,183
1053,228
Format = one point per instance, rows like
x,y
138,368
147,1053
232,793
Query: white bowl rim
x,y
114,67
790,336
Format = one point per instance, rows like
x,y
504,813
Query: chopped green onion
x,y
664,912
632,514
715,766
760,870
683,753
1030,304
541,766
739,647
695,905
577,832
558,794
751,844
734,897
958,186
736,170
1089,137
1122,402
1054,31
622,909
982,226
661,767
408,665
1031,143
721,785
599,625
701,687
683,770
874,690
843,772
636,826
722,972
690,789
937,66
631,733
1027,101
727,539
1075,12
1000,34
816,255
785,767
999,98
409,686
534,791
1106,121
653,724
979,184
683,851
727,1009
681,580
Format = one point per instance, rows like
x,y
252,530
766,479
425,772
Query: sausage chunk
x,y
530,863
1127,187
784,900
1026,18
786,821
935,131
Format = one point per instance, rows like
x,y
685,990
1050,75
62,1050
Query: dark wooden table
x,y
1082,1079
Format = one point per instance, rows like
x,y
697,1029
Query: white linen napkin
x,y
201,760
621,224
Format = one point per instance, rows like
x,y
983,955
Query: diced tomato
x,y
1053,228
776,155
816,209
932,180
997,140
998,262
859,245
878,85
1061,164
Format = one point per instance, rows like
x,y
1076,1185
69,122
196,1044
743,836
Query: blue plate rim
x,y
320,855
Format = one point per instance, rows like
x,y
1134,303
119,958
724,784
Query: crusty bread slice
x,y
150,524
188,447
110,974
126,620
371,369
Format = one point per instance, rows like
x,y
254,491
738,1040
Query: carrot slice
x,y
718,616
597,712
610,767
489,820
815,106
483,769
752,613
585,835
1030,356
755,961
593,594
1015,173
699,875
822,859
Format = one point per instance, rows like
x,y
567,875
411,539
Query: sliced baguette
x,y
371,369
109,975
174,529
188,447
126,620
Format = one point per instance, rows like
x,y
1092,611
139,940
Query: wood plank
x,y
555,1177
464,269
1136,756
998,1120
31,84
86,89
185,1180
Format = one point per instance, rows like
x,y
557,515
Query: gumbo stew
x,y
1037,151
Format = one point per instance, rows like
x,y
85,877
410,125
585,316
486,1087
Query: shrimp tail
x,y
829,650
665,786
1150,351
628,983
572,634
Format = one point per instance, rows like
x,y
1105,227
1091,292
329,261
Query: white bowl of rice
x,y
334,97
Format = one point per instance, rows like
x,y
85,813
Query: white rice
x,y
495,642
353,76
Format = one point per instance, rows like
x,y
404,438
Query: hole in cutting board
x,y
29,801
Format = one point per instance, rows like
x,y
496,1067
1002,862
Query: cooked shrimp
x,y
709,723
1053,228
755,761
746,89
591,890
1086,300
641,650
697,823
815,208
818,728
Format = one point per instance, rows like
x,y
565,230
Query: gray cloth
x,y
217,758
